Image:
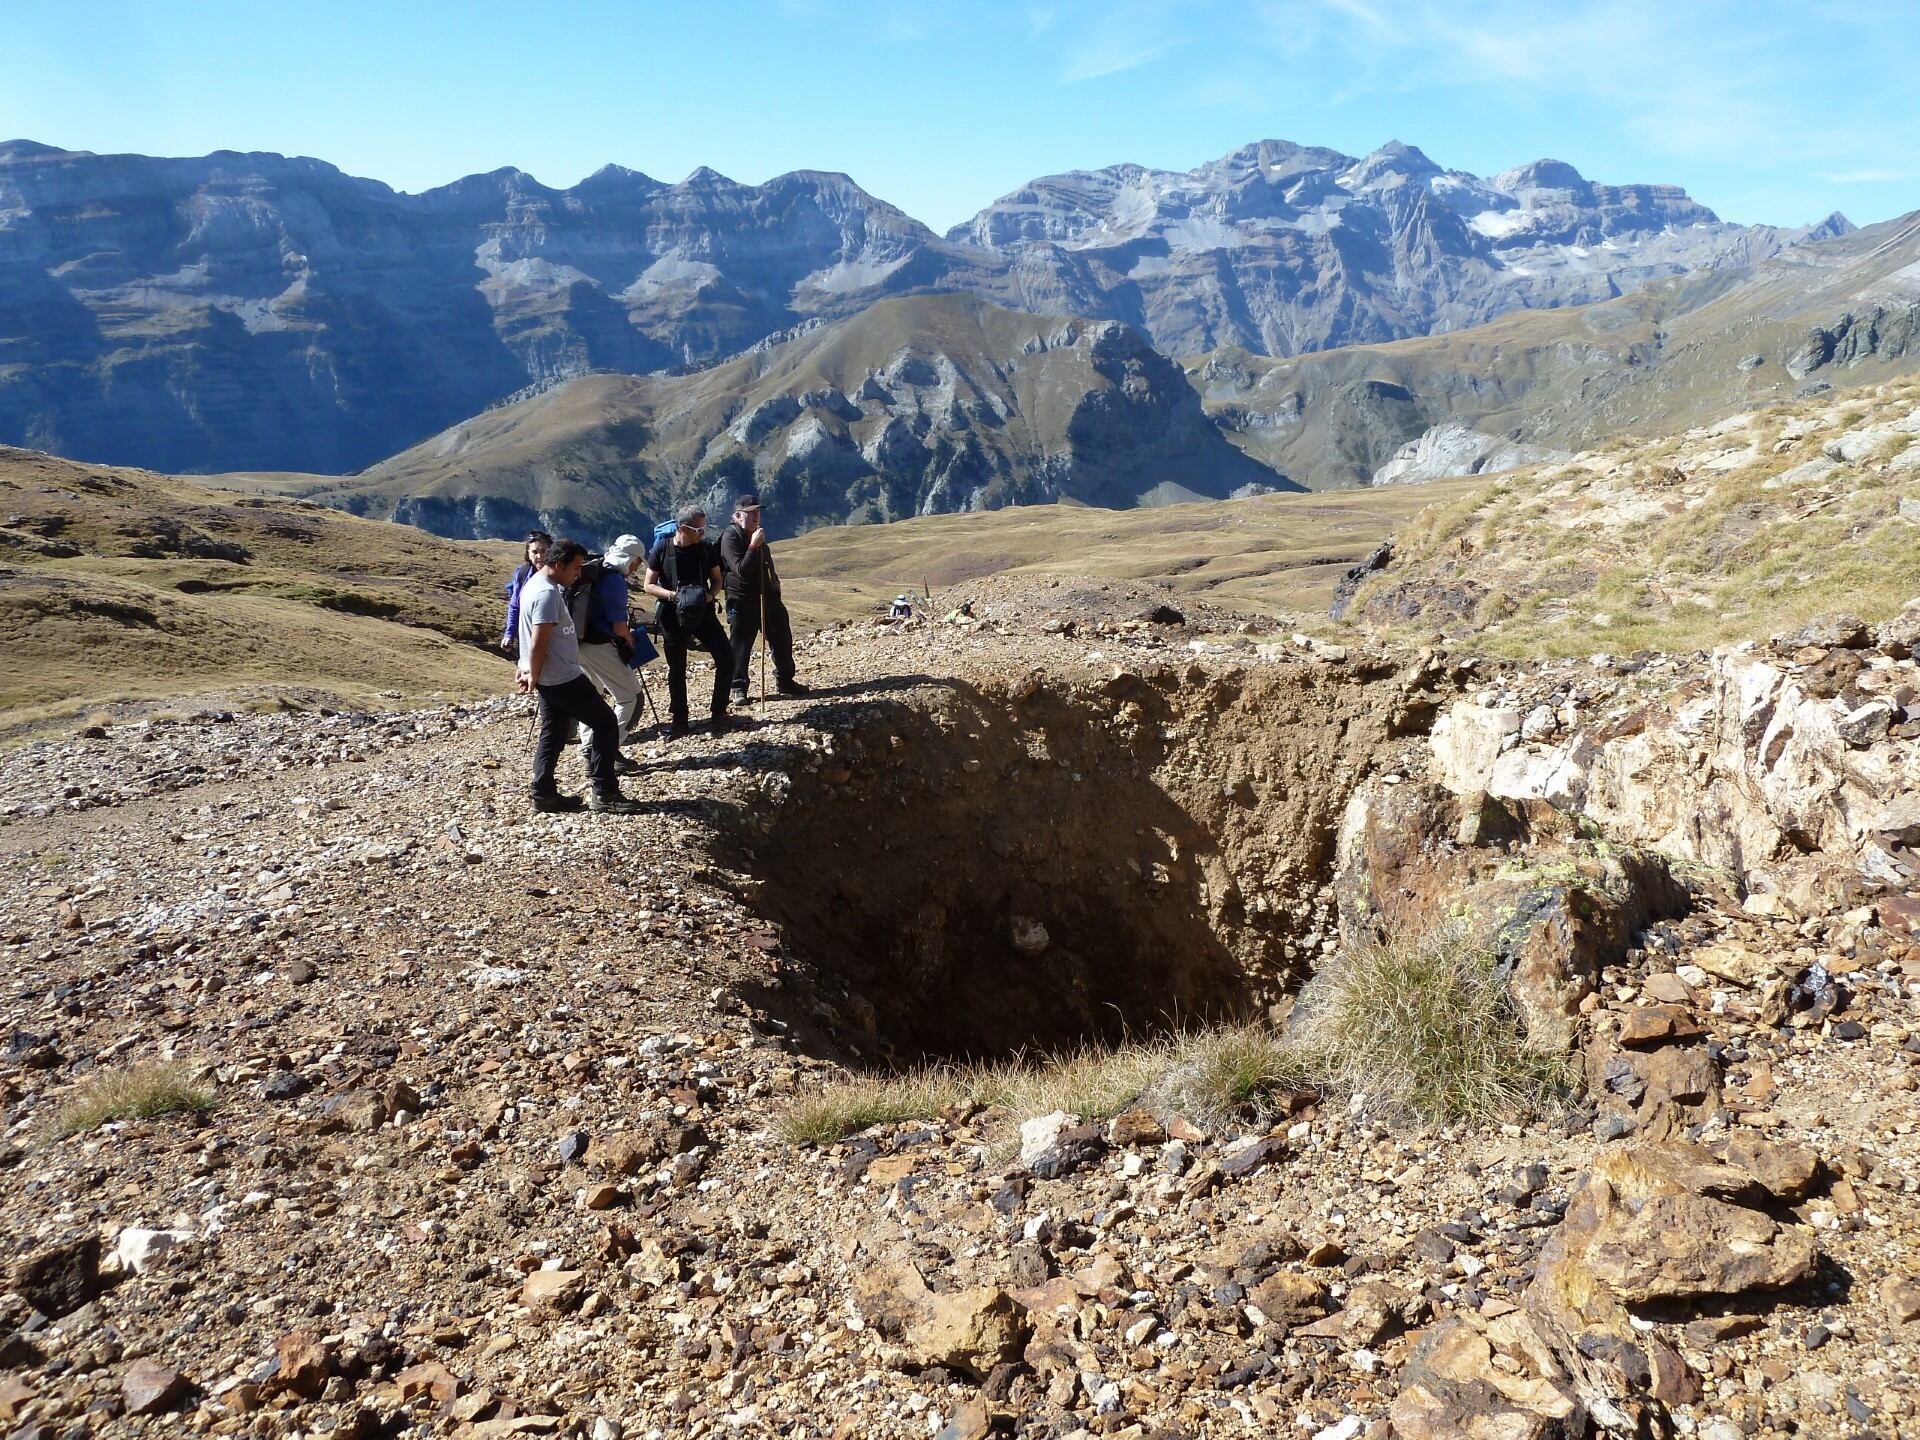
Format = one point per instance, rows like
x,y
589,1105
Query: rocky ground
x,y
495,1151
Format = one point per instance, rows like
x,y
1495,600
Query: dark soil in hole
x,y
1050,863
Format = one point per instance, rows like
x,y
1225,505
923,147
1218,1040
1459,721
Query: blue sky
x,y
1764,110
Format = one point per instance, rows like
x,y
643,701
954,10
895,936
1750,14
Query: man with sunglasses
x,y
683,575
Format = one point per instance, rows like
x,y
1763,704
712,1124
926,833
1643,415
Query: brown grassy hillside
x,y
1273,554
124,585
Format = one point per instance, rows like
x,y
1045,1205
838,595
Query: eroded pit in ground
x,y
974,872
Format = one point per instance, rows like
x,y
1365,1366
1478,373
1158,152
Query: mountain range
x,y
259,312
1841,310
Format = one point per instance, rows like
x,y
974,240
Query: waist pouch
x,y
690,603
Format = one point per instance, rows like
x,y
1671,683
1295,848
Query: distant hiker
x,y
599,605
550,668
753,600
538,543
683,574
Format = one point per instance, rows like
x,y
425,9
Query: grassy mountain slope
x,y
123,585
1729,532
930,404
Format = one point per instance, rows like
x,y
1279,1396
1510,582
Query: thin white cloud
x,y
1113,58
1867,177
1101,40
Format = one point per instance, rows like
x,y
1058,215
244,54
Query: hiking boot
x,y
723,722
615,804
794,688
679,730
557,804
625,765
739,697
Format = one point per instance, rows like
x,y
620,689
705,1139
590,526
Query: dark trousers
x,y
743,624
561,706
674,638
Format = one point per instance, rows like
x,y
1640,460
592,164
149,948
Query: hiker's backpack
x,y
589,626
663,531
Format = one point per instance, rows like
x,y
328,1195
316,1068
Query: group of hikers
x,y
569,625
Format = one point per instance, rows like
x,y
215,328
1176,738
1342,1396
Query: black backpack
x,y
588,624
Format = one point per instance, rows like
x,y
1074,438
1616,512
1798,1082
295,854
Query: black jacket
x,y
744,568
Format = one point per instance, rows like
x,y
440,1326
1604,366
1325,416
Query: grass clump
x,y
1422,1029
139,1092
847,1107
1425,1027
1236,1068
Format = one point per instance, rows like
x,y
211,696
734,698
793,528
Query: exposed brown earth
x,y
495,1149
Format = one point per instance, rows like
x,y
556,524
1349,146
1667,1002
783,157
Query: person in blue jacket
x,y
539,542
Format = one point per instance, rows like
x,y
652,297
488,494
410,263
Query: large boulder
x,y
1554,912
1653,1225
1666,1222
971,1330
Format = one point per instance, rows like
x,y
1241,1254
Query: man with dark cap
x,y
683,574
753,596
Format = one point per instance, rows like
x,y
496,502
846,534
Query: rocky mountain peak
x,y
1543,174
1393,163
617,179
1831,228
29,150
1277,161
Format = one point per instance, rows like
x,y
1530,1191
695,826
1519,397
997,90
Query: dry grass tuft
x,y
139,1092
1424,1027
847,1107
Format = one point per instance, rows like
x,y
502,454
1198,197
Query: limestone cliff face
x,y
265,312
1279,248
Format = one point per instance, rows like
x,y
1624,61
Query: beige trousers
x,y
621,682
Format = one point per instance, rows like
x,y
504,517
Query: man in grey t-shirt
x,y
544,602
550,668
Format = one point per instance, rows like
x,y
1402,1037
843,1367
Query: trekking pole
x,y
652,709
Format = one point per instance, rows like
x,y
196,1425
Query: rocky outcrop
x,y
1882,332
1551,910
1455,449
